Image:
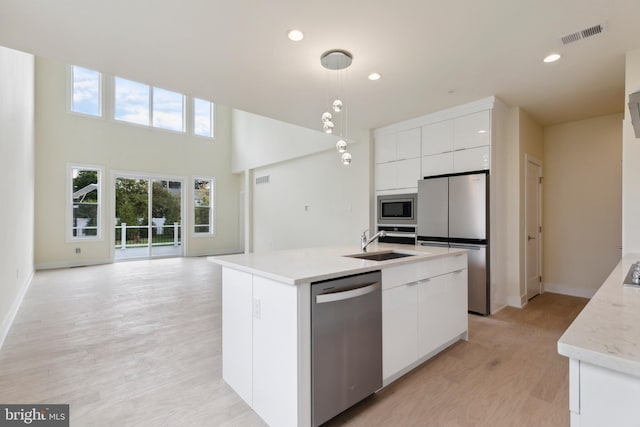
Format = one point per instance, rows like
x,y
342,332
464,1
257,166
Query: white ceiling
x,y
431,54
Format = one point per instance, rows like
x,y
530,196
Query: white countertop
x,y
297,266
607,331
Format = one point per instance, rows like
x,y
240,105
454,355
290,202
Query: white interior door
x,y
533,227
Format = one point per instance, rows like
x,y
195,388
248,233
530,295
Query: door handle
x,y
530,238
353,293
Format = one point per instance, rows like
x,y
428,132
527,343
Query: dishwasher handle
x,y
352,293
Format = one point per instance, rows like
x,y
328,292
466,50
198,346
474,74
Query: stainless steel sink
x,y
380,256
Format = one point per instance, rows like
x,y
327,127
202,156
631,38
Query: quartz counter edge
x,y
607,331
296,266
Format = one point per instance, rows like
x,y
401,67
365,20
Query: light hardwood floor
x,y
139,344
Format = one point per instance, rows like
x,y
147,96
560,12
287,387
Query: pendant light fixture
x,y
337,61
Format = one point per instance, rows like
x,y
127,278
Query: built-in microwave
x,y
398,209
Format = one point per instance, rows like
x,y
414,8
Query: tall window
x,y
202,118
85,202
86,91
203,206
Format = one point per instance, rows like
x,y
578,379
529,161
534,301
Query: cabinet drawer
x,y
409,273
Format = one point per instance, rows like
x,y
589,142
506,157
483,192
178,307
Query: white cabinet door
x,y
437,138
408,173
442,310
399,328
401,174
275,352
385,148
473,130
437,164
385,176
237,331
472,159
408,144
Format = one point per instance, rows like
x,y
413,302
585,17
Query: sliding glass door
x,y
148,217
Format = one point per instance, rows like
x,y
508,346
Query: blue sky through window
x,y
86,91
202,117
168,109
131,101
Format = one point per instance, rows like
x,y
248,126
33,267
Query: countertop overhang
x,y
607,331
296,266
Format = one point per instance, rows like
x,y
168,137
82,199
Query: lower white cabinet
x,y
237,332
260,364
601,397
441,317
399,328
422,315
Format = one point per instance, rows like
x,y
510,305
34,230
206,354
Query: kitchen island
x,y
603,347
266,321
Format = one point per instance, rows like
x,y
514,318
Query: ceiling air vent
x,y
583,34
262,179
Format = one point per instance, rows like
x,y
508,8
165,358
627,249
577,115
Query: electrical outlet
x,y
78,250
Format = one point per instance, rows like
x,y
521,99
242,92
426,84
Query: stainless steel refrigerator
x,y
453,210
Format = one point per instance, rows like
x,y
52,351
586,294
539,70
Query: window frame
x,y
107,105
70,92
212,118
70,203
212,206
115,103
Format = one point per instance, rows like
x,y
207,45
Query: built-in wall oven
x,y
397,215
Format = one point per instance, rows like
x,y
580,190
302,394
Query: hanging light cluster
x,y
337,60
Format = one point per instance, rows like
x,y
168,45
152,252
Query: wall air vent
x,y
583,34
262,179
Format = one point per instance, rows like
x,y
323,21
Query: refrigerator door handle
x,y
470,247
438,244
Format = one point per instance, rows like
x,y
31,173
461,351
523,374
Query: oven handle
x,y
400,234
353,293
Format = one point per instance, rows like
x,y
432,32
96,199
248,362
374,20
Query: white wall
x,y
630,158
64,138
17,181
260,141
582,204
311,199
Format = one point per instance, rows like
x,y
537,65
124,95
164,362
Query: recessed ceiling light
x,y
374,76
295,35
482,131
552,58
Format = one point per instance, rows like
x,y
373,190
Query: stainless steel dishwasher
x,y
346,343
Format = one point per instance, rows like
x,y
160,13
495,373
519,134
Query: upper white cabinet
x,y
437,138
455,140
398,160
472,130
408,144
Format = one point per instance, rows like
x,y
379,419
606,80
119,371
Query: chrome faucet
x,y
364,242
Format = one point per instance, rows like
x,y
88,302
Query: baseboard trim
x,y
574,291
228,251
67,264
13,311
